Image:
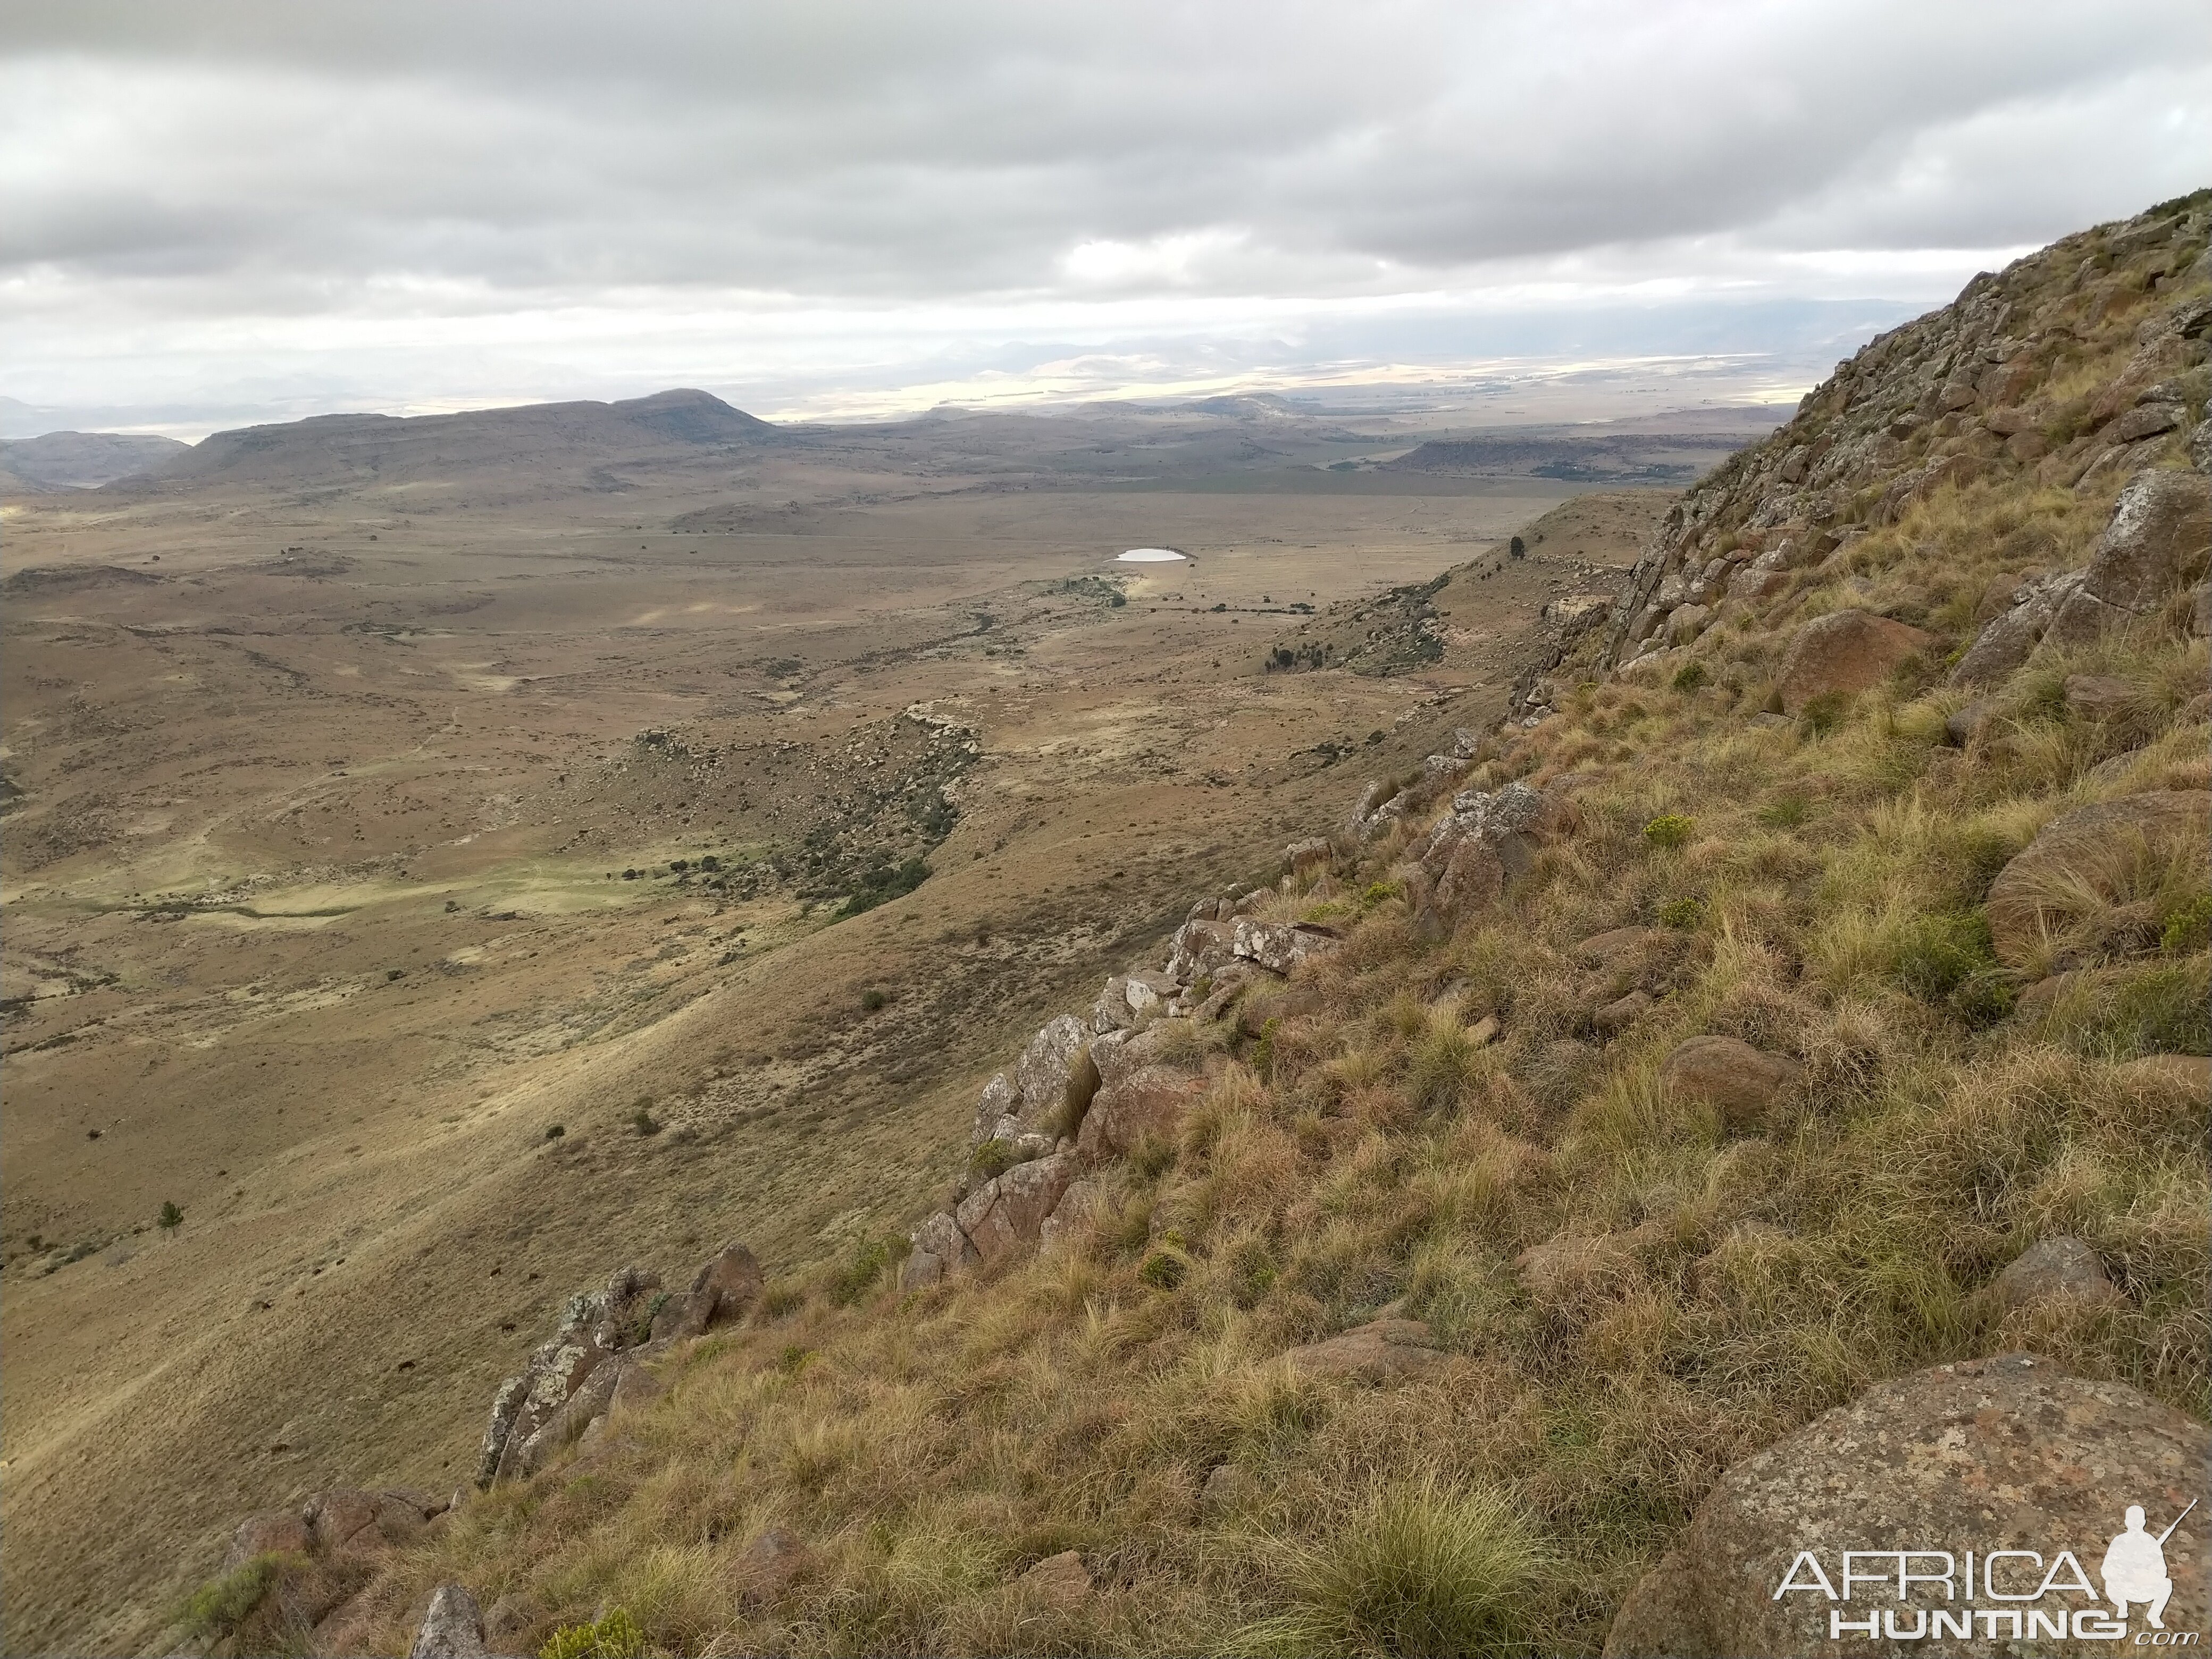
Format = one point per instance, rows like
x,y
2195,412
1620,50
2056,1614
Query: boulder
x,y
1742,1081
1074,1209
1279,946
1061,1582
1048,1071
2011,639
1380,1351
2182,1074
1198,949
1019,1202
997,1109
2071,863
1963,724
721,1293
1149,1101
1617,1016
626,1308
2100,697
269,1532
2009,1453
1845,651
2062,1269
453,1628
2144,421
343,1518
2158,541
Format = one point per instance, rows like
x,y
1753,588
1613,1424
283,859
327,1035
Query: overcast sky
x,y
215,212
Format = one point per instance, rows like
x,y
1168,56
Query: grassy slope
x,y
1697,1293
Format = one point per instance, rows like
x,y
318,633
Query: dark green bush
x,y
1669,830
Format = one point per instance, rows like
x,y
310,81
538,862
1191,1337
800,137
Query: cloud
x,y
248,190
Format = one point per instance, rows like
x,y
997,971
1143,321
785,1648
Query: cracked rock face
x,y
2009,1453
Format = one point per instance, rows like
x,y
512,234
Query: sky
x,y
214,212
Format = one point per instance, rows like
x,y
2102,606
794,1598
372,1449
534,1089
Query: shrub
x,y
170,1217
2189,927
1669,830
555,1131
1689,675
872,999
993,1159
1681,913
1164,1269
1417,1571
644,1122
616,1636
219,1607
854,1279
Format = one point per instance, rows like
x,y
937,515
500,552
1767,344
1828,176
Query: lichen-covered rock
x,y
453,1628
1279,946
1010,1210
2158,541
2009,1453
1149,1101
2058,1269
269,1532
1843,653
2011,638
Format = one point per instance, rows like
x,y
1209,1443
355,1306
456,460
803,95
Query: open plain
x,y
446,860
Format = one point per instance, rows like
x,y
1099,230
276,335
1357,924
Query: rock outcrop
x,y
1939,403
343,1520
1088,1089
1990,1455
594,1358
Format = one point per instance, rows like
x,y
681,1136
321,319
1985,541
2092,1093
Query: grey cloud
x,y
264,158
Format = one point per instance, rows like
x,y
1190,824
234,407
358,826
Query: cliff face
x,y
1526,1187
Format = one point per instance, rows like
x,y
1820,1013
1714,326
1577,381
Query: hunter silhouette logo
x,y
1997,1594
2135,1567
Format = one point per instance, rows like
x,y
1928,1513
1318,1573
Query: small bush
x,y
872,1000
2188,927
1689,675
1938,952
616,1636
644,1122
858,1275
555,1131
1681,913
1380,893
1669,830
1164,1269
991,1159
170,1217
219,1607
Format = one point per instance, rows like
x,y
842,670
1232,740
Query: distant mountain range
x,y
84,460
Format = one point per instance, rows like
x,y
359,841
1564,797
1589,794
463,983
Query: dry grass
x,y
1632,1296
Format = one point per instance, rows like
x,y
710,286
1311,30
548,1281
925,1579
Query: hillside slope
x,y
1826,928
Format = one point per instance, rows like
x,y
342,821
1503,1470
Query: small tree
x,y
1518,548
170,1217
